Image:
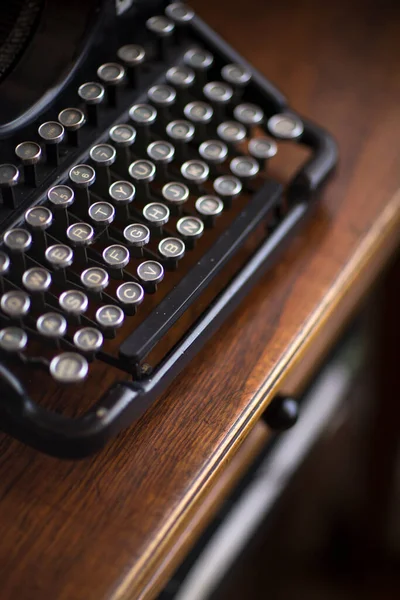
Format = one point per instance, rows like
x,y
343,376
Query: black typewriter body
x,y
138,207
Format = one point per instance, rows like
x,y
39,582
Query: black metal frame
x,y
127,401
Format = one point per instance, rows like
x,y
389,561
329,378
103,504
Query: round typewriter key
x,y
4,268
74,303
142,172
88,340
150,273
123,137
38,219
95,279
231,132
162,95
179,12
61,197
172,250
162,29
200,113
37,281
198,59
262,149
101,214
122,193
92,93
9,175
160,25
17,241
132,56
182,132
209,207
15,304
102,156
112,75
213,151
52,325
195,171
59,257
143,117
143,114
13,339
30,154
110,318
181,77
236,75
175,194
248,114
81,235
244,167
285,126
69,367
190,228
156,214
181,15
52,133
82,177
130,295
72,119
162,153
228,187
220,95
9,178
116,258
137,235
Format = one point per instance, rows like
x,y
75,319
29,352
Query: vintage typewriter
x,y
140,201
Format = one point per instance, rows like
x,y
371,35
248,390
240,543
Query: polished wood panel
x,y
103,527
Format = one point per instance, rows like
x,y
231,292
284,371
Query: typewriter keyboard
x,y
134,201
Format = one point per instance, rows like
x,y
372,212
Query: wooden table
x,y
114,526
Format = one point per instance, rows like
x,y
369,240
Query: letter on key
x,y
69,367
150,274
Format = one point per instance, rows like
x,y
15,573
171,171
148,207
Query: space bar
x,y
143,339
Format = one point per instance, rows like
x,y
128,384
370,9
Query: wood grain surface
x,y
104,527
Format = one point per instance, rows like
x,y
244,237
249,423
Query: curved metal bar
x,y
314,173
